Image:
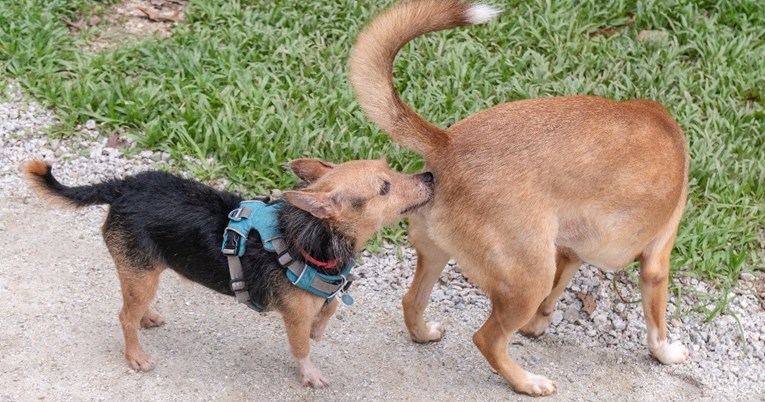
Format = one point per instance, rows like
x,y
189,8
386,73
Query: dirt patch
x,y
108,27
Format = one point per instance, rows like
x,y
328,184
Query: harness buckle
x,y
349,282
285,258
231,247
235,215
343,286
238,285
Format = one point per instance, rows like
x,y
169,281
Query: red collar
x,y
319,264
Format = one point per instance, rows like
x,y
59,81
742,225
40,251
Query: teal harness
x,y
263,218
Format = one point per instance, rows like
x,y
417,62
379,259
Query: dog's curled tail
x,y
39,176
371,65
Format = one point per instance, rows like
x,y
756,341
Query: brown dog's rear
x,y
529,190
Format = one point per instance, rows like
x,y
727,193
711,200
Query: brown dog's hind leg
x,y
566,264
298,312
431,261
138,289
514,300
654,281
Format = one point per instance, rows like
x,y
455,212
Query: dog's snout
x,y
427,177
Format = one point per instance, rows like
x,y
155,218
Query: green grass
x,y
247,85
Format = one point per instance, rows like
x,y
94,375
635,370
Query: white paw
x,y
436,330
433,333
536,385
670,353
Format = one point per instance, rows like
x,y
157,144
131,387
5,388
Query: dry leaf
x,y
157,17
589,303
115,141
610,31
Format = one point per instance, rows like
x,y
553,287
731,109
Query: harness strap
x,y
299,268
238,284
261,216
233,248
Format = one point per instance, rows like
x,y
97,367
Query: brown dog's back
x,y
589,164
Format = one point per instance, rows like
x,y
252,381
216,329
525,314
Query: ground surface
x,y
61,340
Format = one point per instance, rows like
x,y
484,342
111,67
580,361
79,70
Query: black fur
x,y
162,219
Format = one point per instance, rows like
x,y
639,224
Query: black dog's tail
x,y
39,176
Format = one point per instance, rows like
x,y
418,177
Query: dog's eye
x,y
385,188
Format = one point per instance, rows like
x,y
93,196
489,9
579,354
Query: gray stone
x,y
557,317
618,324
437,295
572,314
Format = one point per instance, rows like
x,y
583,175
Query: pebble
x,y
746,276
571,314
557,317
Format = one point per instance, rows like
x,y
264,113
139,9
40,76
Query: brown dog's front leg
x,y
431,261
492,340
514,300
566,266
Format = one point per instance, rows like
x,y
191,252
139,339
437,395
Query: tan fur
x,y
371,69
33,170
350,196
528,189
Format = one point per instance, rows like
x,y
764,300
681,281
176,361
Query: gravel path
x,y
61,339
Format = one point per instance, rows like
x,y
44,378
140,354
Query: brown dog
x,y
157,220
529,190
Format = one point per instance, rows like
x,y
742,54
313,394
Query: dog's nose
x,y
427,177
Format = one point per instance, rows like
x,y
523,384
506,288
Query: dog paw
x,y
317,330
314,381
433,332
139,361
670,353
537,326
310,376
535,385
317,333
151,319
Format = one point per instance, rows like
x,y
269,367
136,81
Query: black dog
x,y
158,220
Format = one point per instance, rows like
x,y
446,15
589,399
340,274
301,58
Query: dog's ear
x,y
310,170
320,205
